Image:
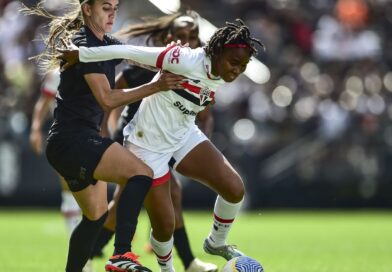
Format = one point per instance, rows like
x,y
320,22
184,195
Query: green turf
x,y
294,241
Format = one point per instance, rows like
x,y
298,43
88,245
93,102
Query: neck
x,y
97,31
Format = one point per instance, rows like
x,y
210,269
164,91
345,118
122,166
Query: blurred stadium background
x,y
318,134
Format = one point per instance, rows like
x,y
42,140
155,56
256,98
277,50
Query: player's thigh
x,y
93,200
159,207
63,183
176,196
175,189
119,164
207,164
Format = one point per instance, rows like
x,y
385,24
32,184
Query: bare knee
x,y
144,170
235,192
139,170
96,213
164,231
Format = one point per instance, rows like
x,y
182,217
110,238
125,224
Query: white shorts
x,y
159,162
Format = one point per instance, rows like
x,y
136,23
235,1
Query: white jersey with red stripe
x,y
164,120
50,84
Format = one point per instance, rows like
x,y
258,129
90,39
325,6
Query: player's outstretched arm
x,y
150,56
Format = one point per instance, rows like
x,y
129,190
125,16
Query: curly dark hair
x,y
232,34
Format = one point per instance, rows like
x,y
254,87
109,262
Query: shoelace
x,y
131,256
231,246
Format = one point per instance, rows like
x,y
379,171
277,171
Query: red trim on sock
x,y
221,220
164,258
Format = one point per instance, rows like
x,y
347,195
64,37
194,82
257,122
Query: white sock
x,y
163,252
70,210
224,215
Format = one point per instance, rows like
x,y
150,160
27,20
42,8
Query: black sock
x,y
181,243
128,209
105,235
81,243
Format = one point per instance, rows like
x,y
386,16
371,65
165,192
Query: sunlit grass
x,y
295,241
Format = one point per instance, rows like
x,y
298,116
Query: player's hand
x,y
178,43
168,81
70,54
36,142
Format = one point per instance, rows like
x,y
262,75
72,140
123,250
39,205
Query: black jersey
x,y
135,76
76,104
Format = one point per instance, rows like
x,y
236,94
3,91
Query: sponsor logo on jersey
x,y
175,56
183,109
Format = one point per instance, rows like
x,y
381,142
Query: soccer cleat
x,y
126,262
227,251
200,266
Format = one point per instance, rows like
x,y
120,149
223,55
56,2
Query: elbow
x,y
107,104
106,108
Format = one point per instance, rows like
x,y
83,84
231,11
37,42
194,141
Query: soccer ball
x,y
242,264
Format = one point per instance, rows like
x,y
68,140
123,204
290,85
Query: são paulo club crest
x,y
204,95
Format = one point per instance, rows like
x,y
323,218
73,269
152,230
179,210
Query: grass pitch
x,y
295,241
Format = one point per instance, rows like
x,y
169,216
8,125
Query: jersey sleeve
x,y
174,58
87,68
50,84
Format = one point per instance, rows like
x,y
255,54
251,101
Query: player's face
x,y
102,14
231,63
187,35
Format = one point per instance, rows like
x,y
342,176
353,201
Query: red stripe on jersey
x,y
192,88
221,220
161,56
46,92
195,89
161,180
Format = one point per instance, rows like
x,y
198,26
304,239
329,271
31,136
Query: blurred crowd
x,y
318,133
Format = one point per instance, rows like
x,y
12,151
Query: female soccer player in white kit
x,y
164,128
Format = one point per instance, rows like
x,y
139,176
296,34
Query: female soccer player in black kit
x,y
75,147
159,32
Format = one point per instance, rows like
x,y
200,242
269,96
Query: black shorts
x,y
118,135
76,155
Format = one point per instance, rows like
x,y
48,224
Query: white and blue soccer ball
x,y
242,264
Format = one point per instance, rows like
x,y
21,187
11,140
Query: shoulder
x,y
190,56
181,59
80,38
111,40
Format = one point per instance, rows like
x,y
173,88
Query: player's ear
x,y
86,9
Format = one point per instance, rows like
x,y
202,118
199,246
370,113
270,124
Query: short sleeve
x,y
91,68
87,68
177,60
